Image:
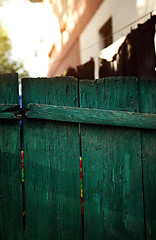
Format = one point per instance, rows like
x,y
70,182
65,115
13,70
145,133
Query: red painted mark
x,y
82,205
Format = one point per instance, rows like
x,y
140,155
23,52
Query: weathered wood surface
x,y
51,155
9,107
11,211
118,159
112,172
91,116
8,111
148,105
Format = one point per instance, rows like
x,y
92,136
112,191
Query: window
x,y
106,34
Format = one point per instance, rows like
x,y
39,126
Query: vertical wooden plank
x,y
51,155
11,211
111,94
147,91
113,198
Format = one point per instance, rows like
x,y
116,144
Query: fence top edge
x,y
81,80
52,78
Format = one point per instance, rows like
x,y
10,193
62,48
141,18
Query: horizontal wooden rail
x,y
91,116
10,111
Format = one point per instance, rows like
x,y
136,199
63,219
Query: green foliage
x,y
7,65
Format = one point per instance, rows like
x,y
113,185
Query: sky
x,y
31,28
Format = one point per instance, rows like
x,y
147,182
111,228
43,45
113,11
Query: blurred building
x,y
73,16
86,27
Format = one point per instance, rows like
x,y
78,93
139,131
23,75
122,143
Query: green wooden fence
x,y
11,219
111,124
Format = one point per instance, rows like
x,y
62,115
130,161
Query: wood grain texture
x,y
91,116
11,211
147,91
9,107
51,156
8,111
10,115
112,173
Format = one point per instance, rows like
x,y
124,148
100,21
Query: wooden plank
x,y
9,96
10,115
8,111
51,155
11,210
91,116
113,198
147,91
9,107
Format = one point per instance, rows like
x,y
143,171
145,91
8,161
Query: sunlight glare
x,y
32,38
65,37
141,6
140,3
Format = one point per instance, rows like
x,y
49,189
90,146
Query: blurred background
x,y
40,38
